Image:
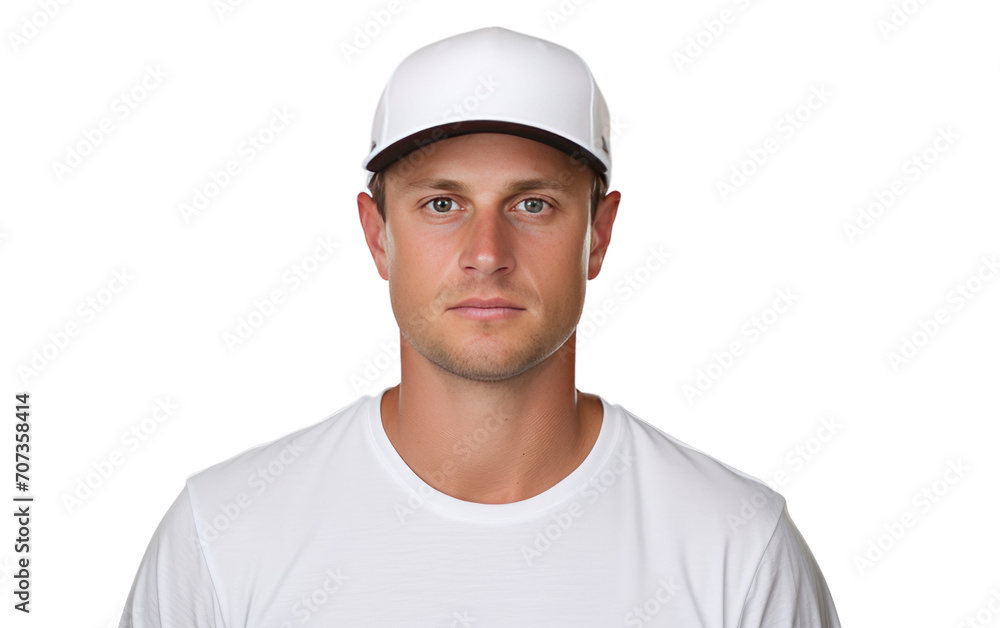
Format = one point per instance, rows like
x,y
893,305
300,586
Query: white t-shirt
x,y
328,526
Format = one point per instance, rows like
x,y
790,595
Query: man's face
x,y
488,216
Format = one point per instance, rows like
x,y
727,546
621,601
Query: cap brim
x,y
414,141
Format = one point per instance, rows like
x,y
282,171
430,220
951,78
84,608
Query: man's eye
x,y
441,204
533,205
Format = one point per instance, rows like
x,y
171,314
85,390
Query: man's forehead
x,y
510,185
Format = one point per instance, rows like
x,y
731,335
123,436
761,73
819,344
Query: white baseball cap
x,y
492,80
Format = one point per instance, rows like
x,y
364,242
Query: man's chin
x,y
486,362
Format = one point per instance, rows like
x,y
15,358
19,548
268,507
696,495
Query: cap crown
x,y
492,79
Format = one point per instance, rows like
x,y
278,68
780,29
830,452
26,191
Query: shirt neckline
x,y
426,496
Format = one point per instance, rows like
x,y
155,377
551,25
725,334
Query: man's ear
x,y
375,232
600,235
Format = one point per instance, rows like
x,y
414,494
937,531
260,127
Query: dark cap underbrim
x,y
410,143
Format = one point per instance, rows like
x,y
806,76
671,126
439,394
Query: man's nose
x,y
488,243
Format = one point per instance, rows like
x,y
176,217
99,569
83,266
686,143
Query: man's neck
x,y
490,443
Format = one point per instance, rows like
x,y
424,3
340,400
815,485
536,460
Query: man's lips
x,y
494,308
488,303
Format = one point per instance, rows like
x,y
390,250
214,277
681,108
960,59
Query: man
x,y
484,489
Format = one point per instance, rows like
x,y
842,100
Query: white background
x,y
682,127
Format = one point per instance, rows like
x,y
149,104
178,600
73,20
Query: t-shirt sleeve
x,y
788,590
173,587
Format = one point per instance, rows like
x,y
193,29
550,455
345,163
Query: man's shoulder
x,y
299,451
701,482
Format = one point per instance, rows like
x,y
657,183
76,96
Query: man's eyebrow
x,y
522,185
